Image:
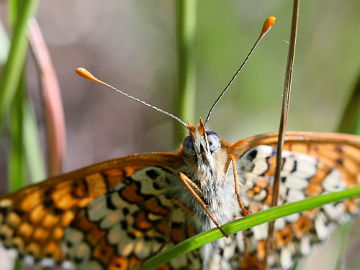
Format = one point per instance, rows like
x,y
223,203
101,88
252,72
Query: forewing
x,y
40,220
312,164
131,223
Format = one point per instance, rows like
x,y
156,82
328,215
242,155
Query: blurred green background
x,y
132,45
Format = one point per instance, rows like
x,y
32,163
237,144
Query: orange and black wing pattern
x,y
116,214
110,215
312,164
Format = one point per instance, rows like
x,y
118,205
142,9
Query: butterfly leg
x,y
245,211
183,207
189,185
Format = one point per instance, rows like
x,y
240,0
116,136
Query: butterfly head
x,y
203,148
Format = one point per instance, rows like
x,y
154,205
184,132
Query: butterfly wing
x,y
114,214
313,163
96,216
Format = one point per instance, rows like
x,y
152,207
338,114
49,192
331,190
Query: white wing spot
x,y
293,217
279,223
114,234
260,231
260,166
305,245
67,265
125,245
260,196
295,182
29,260
82,251
306,166
116,200
73,236
320,227
111,219
142,249
264,151
286,256
47,262
334,211
98,209
295,195
333,181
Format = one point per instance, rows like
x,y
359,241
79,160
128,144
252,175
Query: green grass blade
x,y
245,223
185,98
13,10
32,148
17,170
12,94
16,58
350,120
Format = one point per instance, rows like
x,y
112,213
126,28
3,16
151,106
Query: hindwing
x,y
312,164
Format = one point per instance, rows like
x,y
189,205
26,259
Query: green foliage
x,y
14,105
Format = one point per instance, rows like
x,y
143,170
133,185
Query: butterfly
x,y
116,214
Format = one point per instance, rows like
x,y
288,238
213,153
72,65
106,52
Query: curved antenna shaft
x,y
83,72
266,27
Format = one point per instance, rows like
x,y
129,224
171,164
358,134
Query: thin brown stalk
x,y
56,140
283,119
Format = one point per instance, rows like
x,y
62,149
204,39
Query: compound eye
x,y
214,141
188,146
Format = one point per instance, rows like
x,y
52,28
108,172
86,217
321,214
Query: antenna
x,y
266,27
83,72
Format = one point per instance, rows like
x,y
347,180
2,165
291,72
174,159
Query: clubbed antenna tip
x,y
83,72
266,27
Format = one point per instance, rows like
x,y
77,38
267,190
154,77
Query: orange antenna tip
x,y
269,22
266,27
83,72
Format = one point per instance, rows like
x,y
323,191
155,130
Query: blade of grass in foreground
x,y
245,223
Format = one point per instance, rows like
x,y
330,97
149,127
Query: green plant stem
x,y
12,96
16,163
350,119
185,98
32,148
16,58
246,223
